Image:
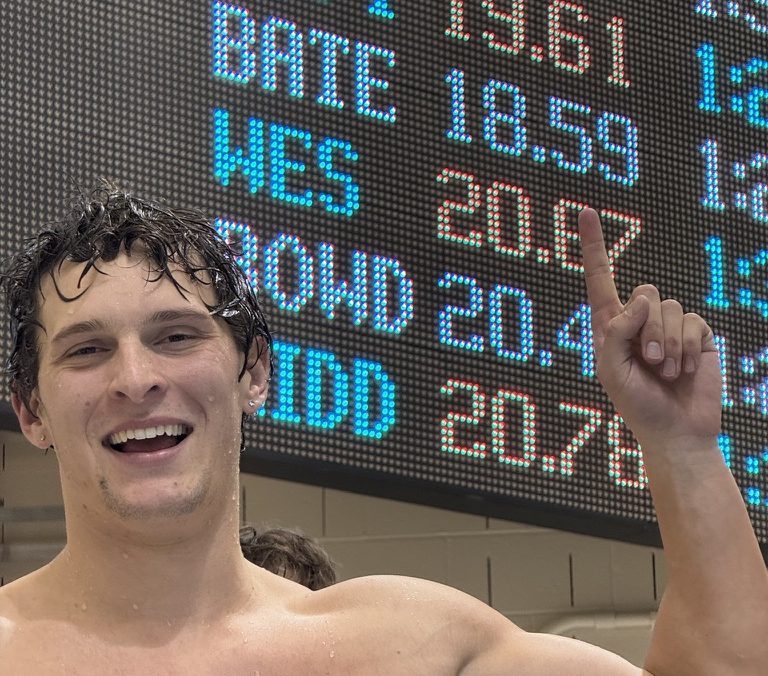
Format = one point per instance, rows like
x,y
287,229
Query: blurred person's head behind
x,y
290,554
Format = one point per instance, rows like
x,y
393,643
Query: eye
x,y
178,337
83,351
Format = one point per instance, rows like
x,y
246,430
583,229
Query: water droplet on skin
x,y
135,607
245,639
125,555
83,606
332,654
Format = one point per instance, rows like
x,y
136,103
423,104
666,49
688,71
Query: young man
x,y
139,350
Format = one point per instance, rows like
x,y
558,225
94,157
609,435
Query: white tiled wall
x,y
539,578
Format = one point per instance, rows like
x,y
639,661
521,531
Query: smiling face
x,y
138,391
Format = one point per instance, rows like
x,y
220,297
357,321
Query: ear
x,y
254,385
33,428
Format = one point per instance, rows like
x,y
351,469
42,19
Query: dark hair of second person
x,y
290,554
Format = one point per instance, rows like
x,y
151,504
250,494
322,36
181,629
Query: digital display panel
x,y
403,179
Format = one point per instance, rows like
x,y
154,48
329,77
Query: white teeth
x,y
147,433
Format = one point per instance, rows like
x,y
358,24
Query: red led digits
x,y
557,35
514,23
565,464
506,28
476,413
618,74
511,433
625,461
502,218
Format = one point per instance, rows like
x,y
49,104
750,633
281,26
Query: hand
x,y
659,366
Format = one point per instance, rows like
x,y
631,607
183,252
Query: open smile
x,y
148,439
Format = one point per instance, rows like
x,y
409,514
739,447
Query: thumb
x,y
625,326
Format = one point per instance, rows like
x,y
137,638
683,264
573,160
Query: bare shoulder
x,y
415,616
393,587
476,639
392,594
7,620
10,617
26,604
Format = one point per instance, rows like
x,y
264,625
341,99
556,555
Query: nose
x,y
136,374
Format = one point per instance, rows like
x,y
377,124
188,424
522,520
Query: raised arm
x,y
661,369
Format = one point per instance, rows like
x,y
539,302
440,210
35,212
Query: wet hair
x,y
290,554
102,223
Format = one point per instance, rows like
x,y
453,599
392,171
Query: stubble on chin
x,y
176,506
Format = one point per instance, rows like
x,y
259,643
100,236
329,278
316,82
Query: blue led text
x,y
498,298
326,391
274,55
377,291
289,161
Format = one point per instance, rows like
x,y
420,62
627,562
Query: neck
x,y
178,570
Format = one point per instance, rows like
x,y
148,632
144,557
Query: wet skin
x,y
152,579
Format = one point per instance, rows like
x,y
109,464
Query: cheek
x,y
66,403
80,401
208,382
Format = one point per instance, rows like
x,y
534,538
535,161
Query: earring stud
x,y
251,403
42,437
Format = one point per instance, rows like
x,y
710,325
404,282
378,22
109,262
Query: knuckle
x,y
648,290
691,343
613,329
653,327
672,343
697,326
671,304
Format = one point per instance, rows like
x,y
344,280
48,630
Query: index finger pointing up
x,y
601,290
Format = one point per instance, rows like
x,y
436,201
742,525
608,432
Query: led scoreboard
x,y
403,181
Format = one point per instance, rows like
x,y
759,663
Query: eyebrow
x,y
159,317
